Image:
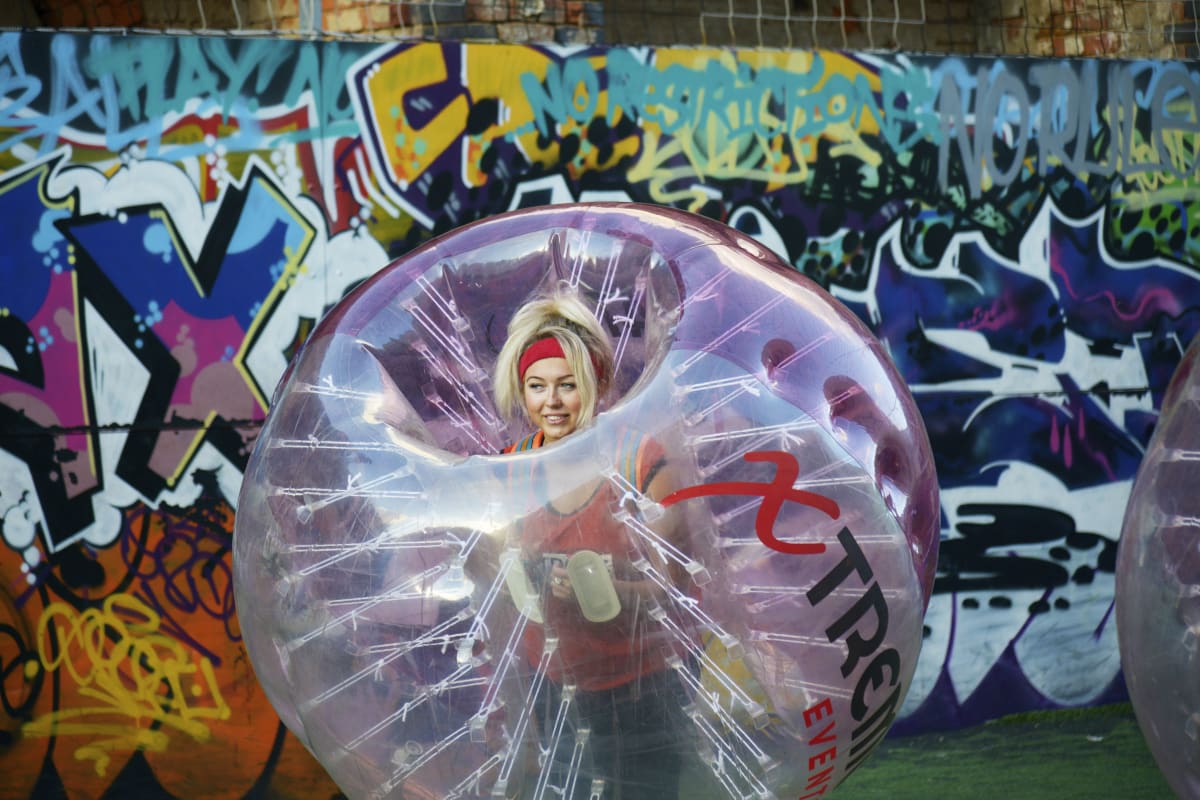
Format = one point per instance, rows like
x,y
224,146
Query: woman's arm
x,y
669,526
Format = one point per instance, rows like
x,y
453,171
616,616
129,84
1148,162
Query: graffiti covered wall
x,y
1023,235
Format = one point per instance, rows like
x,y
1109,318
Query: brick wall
x,y
563,21
77,13
1129,28
1141,28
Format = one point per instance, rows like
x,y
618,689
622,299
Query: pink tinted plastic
x,y
382,569
1158,585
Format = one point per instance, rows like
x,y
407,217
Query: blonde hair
x,y
585,344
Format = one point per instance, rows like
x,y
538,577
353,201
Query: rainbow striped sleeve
x,y
639,458
530,442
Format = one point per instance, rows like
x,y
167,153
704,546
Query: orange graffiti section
x,y
141,686
145,662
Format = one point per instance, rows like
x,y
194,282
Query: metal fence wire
x,y
1103,28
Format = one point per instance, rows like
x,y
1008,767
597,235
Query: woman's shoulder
x,y
639,457
530,442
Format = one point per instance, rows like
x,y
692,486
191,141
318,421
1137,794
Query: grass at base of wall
x,y
1089,754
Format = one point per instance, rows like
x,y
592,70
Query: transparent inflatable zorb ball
x,y
1158,585
717,586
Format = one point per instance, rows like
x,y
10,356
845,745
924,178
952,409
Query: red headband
x,y
549,348
542,348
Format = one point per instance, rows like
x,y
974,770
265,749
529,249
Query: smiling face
x,y
552,397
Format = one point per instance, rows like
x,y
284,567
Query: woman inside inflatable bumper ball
x,y
553,370
698,569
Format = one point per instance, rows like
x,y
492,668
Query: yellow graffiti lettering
x,y
490,74
763,124
411,149
654,170
1174,153
671,183
851,143
141,683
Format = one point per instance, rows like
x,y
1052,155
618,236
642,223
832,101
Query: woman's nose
x,y
554,399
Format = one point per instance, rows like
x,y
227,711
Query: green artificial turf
x,y
1090,754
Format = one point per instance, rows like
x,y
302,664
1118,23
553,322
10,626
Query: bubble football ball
x,y
1158,585
749,633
